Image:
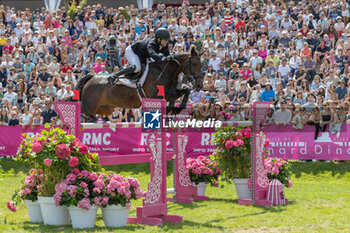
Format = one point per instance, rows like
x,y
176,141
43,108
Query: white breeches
x,y
133,59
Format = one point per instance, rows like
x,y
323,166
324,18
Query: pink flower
x,y
72,190
96,190
267,143
268,166
86,193
139,193
84,204
93,176
83,184
134,182
128,205
290,183
97,201
37,147
47,162
57,198
71,177
279,164
238,135
216,184
11,207
73,161
240,142
85,173
27,191
126,184
62,151
118,178
275,170
76,141
83,149
105,200
229,144
248,134
197,171
128,194
61,187
75,171
99,184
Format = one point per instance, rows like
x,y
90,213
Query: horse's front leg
x,y
186,93
171,106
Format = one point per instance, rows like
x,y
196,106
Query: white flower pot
x,y
201,187
34,211
83,218
242,188
52,214
115,215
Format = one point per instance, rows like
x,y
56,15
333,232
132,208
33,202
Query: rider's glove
x,y
170,57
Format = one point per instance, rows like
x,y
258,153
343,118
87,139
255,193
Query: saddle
x,y
134,76
135,79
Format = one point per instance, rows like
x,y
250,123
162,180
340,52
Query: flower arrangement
x,y
116,190
77,189
232,152
202,169
84,189
279,169
56,154
28,190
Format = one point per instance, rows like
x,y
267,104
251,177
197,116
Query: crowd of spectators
x,y
295,55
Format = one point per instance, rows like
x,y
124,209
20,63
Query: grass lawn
x,y
319,202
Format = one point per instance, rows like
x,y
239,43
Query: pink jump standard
x,y
154,209
186,193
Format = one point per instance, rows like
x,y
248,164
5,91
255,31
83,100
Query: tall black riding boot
x,y
127,70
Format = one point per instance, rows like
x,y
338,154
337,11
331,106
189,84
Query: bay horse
x,y
99,97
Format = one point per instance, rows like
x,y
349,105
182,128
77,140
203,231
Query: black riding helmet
x,y
162,33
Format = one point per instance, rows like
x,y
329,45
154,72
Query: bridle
x,y
191,78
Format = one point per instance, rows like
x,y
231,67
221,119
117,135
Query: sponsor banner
x,y
10,138
285,142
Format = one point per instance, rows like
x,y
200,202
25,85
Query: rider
x,y
112,50
155,47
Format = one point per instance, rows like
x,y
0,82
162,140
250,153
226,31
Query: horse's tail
x,y
81,83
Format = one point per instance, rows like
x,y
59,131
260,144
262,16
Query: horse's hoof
x,y
177,110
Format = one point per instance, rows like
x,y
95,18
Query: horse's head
x,y
193,69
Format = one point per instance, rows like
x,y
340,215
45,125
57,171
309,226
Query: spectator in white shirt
x,y
10,96
214,61
221,82
284,72
294,62
283,116
61,93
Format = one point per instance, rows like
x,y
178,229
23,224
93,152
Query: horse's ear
x,y
193,50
